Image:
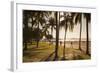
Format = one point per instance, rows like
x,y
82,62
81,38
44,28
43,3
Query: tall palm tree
x,y
52,24
67,23
78,19
26,29
57,14
88,20
40,19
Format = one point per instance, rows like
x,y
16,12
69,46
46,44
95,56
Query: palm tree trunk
x,y
57,36
37,43
38,36
87,45
25,46
26,27
52,31
80,33
64,44
32,29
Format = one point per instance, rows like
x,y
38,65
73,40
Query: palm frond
x,y
78,18
87,16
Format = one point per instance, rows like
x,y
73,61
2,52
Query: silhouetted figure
x,y
60,42
71,44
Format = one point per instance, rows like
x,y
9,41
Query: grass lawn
x,y
45,52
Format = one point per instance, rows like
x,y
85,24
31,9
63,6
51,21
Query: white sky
x,y
76,31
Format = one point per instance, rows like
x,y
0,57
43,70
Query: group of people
x,y
71,43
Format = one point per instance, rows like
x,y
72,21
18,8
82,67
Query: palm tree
x,y
88,20
26,29
78,19
40,19
57,14
67,23
52,24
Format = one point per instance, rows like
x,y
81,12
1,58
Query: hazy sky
x,y
76,31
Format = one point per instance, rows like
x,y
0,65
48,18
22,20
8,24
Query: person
x,y
71,44
60,42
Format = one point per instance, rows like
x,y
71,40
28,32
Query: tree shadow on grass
x,y
30,54
48,58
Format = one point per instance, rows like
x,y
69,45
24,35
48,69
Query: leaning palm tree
x,y
88,20
67,23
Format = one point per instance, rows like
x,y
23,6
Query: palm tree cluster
x,y
36,25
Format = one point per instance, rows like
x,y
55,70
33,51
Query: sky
x,y
76,31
